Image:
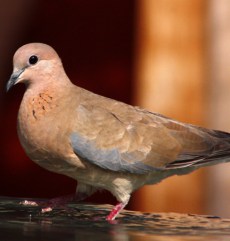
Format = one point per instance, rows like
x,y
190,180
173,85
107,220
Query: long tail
x,y
219,152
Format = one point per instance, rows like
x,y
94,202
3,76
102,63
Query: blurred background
x,y
167,56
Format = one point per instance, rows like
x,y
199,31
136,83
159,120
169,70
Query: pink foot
x,y
29,203
48,206
116,210
59,202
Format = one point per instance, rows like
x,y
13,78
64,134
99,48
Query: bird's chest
x,y
38,125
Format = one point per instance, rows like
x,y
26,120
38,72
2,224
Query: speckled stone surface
x,y
87,222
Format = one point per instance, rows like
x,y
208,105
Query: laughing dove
x,y
100,142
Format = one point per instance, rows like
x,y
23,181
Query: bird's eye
x,y
33,59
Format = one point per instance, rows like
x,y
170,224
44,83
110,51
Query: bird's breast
x,y
40,130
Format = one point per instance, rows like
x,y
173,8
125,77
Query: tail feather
x,y
219,152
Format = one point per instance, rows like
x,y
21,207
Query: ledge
x,y
87,222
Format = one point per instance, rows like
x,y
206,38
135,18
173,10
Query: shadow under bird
x,y
100,142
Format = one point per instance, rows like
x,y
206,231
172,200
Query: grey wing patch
x,y
110,159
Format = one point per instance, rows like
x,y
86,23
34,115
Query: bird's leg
x,y
48,206
115,211
58,202
83,191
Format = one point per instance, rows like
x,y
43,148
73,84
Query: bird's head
x,y
33,64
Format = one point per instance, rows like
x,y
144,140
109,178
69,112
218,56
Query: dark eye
x,y
33,59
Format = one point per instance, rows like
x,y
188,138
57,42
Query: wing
x,y
111,159
123,138
200,146
217,150
104,138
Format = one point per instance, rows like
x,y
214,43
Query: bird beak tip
x,y
9,84
13,79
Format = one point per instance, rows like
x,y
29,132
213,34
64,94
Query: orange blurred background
x,y
167,56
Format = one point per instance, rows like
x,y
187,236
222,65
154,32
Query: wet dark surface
x,y
87,222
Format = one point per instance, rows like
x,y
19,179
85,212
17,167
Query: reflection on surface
x,y
87,222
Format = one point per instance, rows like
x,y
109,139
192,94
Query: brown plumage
x,y
100,142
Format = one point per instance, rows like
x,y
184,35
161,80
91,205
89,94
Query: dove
x,y
100,142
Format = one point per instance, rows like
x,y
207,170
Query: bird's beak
x,y
13,79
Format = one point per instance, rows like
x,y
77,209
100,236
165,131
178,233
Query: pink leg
x,y
116,210
47,206
58,202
